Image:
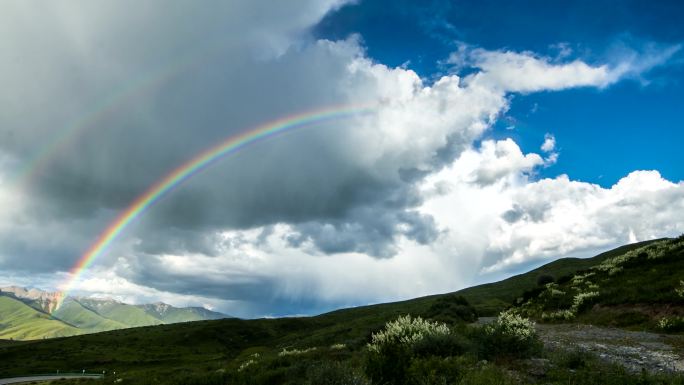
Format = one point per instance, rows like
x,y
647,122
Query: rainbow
x,y
193,167
102,108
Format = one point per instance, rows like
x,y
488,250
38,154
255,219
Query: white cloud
x,y
525,222
549,143
528,72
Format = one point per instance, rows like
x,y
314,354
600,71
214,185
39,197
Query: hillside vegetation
x,y
26,318
641,288
429,340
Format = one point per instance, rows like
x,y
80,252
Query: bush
x,y
334,373
671,324
544,279
435,370
451,308
391,350
509,336
405,332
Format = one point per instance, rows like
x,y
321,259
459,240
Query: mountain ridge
x,y
31,313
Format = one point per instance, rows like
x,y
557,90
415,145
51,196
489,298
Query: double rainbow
x,y
191,168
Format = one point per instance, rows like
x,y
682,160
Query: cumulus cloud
x,y
526,72
549,143
527,221
326,216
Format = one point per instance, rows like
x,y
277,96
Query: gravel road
x,y
20,380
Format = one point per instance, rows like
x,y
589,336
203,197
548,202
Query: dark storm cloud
x,y
155,94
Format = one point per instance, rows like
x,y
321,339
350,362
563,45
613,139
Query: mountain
x,y
20,321
170,314
27,314
130,315
331,348
75,314
39,299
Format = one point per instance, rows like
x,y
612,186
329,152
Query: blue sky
x,y
443,183
603,134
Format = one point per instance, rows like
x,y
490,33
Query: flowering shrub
x,y
672,324
294,352
391,350
246,364
680,289
510,334
565,314
249,362
653,250
512,325
405,331
582,298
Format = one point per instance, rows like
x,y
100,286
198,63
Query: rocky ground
x,y
636,351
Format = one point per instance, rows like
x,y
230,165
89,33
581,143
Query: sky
x,y
483,139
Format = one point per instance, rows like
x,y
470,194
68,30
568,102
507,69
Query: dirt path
x,y
21,380
636,351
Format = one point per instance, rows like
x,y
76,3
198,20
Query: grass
x,y
489,299
331,348
23,322
73,313
633,290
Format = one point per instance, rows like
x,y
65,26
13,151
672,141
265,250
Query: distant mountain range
x,y
27,314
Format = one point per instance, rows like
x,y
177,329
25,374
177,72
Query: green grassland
x,y
331,348
24,319
120,312
24,322
74,313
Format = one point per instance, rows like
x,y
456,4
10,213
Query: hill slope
x,y
20,321
205,348
493,297
169,314
74,313
643,288
24,314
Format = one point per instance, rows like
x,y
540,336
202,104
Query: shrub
x,y
295,352
510,335
435,371
442,345
544,279
391,350
671,324
451,308
582,300
405,331
680,290
334,373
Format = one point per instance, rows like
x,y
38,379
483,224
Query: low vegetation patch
x,y
650,274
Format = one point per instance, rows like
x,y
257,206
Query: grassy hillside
x,y
75,314
24,318
491,298
642,288
122,313
331,348
170,314
20,321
